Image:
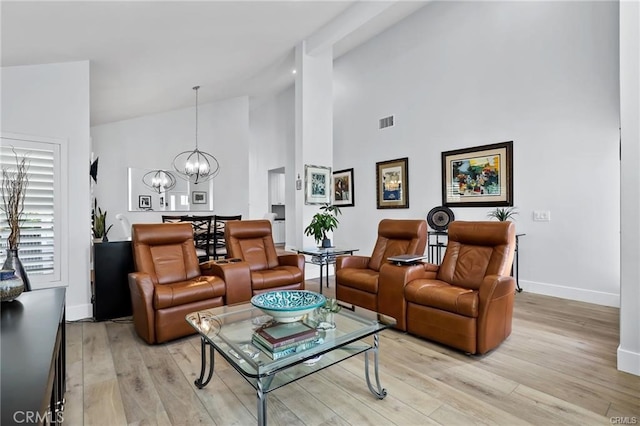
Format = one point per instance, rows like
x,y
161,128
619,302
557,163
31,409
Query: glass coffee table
x,y
229,329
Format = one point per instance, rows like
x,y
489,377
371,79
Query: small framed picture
x,y
317,184
392,183
199,197
343,195
144,202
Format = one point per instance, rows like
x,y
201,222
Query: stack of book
x,y
281,339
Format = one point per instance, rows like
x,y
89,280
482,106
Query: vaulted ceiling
x,y
146,56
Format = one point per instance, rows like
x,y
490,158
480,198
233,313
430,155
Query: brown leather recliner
x,y
467,302
373,282
169,283
252,241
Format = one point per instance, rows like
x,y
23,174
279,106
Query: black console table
x,y
112,262
33,358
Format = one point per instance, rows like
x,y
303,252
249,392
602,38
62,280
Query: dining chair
x,y
201,234
171,219
219,246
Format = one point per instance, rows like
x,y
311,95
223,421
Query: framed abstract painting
x,y
481,176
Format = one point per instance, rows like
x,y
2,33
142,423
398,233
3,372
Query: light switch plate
x,y
542,215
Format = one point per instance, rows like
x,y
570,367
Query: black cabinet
x,y
33,358
112,263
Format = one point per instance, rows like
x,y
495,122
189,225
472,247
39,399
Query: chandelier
x,y
196,166
159,180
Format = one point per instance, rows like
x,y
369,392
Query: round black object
x,y
439,218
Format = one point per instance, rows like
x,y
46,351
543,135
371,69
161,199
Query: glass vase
x,y
13,262
325,320
11,286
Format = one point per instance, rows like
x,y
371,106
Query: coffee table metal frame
x,y
228,330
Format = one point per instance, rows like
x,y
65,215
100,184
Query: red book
x,y
275,335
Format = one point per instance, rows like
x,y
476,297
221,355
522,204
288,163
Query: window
x,y
40,240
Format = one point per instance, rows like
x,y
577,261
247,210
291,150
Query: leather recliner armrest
x,y
292,260
237,279
142,290
494,322
495,287
430,267
357,262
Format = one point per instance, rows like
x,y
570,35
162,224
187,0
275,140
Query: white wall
x,y
272,147
457,75
629,349
53,101
153,141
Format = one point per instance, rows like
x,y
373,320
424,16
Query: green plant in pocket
x,y
100,229
331,305
503,213
324,221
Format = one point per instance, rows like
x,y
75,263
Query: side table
x,y
324,257
437,244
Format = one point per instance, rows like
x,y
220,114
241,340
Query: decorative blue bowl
x,y
288,305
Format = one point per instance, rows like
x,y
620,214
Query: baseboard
x,y
572,293
78,312
628,361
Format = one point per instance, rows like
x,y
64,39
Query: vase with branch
x,y
15,181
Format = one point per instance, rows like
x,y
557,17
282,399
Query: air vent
x,y
386,122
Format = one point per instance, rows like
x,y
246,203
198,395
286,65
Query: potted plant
x,y
99,217
15,181
322,222
503,213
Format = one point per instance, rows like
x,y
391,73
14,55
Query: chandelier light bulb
x,y
159,180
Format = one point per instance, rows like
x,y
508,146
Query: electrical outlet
x,y
541,215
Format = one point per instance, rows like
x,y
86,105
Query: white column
x,y
629,349
313,126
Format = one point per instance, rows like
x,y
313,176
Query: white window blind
x,y
39,248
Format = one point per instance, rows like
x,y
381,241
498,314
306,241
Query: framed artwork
x,y
144,202
392,184
343,195
317,181
199,197
481,176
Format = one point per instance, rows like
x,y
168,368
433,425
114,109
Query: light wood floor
x,y
558,367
